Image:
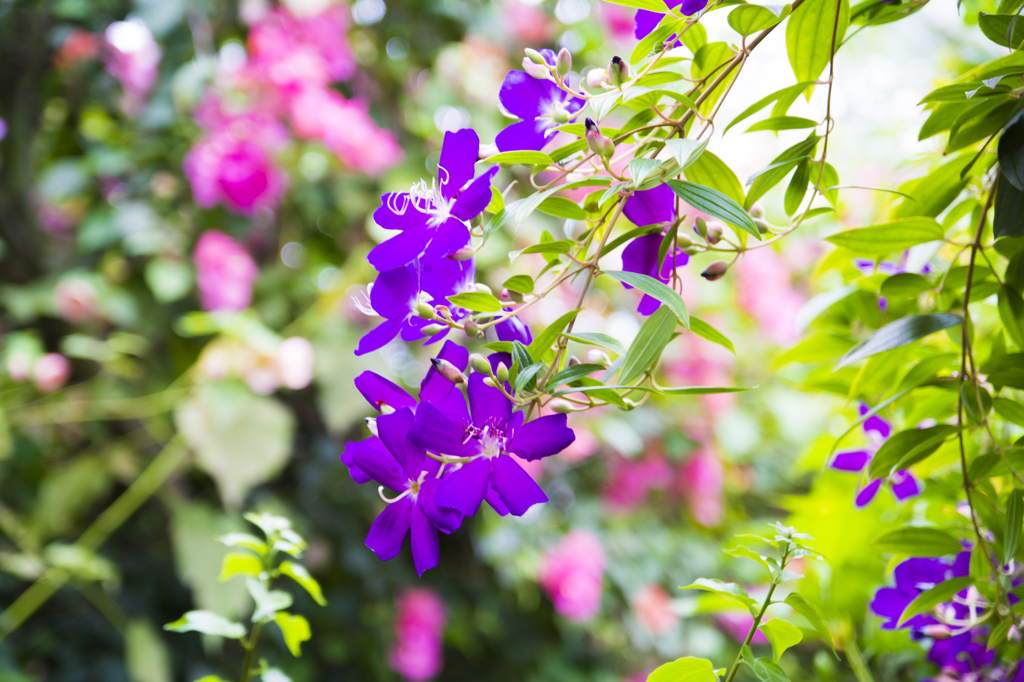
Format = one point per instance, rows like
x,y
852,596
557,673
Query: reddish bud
x,y
715,271
448,371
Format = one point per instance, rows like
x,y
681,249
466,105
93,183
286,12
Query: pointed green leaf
x,y
891,237
1014,519
208,624
603,340
782,635
540,349
479,301
813,29
684,670
730,590
521,284
1011,313
917,541
776,123
899,333
813,615
714,203
236,563
530,158
655,333
934,596
652,287
299,574
295,630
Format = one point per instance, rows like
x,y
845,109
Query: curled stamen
x,y
393,206
380,491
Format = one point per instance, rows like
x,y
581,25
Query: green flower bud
x,y
683,240
425,311
491,382
762,226
757,210
469,326
598,357
534,56
700,227
563,62
480,364
502,372
560,406
618,71
432,329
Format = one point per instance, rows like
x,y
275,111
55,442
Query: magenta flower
x,y
646,20
292,52
237,172
487,435
225,272
571,574
396,293
651,206
419,626
395,462
903,483
432,221
132,57
541,105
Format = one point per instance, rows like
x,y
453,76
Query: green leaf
x,y
890,237
658,290
684,670
299,574
935,191
782,635
766,178
525,377
685,151
236,563
521,284
918,542
1002,29
931,598
905,285
709,333
703,390
295,630
711,171
999,632
812,32
572,373
714,203
1005,370
603,340
813,615
909,446
797,188
1011,312
708,60
541,349
497,202
767,671
650,5
268,602
208,624
782,123
554,246
1011,149
650,341
641,169
246,540
785,98
479,301
749,19
729,590
560,207
1014,519
1009,410
529,158
899,333
747,553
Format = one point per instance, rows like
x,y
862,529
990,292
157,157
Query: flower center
x,y
493,440
426,199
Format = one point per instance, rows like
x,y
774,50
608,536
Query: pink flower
x,y
132,57
702,480
50,372
571,575
419,626
528,23
75,300
225,272
354,136
764,290
618,20
584,446
629,481
293,52
737,624
652,608
223,168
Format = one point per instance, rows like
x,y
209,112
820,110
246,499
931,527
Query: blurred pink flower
x,y
419,626
132,57
629,480
652,608
618,20
764,290
527,22
571,575
294,52
225,272
75,300
50,372
237,172
584,446
357,140
78,46
295,362
702,481
737,624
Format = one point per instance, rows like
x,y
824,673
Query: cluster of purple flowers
x,y
444,457
958,644
903,484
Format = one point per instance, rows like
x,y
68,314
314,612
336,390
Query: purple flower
x,y
541,105
396,293
646,20
396,463
513,329
902,483
487,435
913,577
651,206
641,255
431,220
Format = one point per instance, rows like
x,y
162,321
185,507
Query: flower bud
x,y
762,226
482,288
597,77
693,250
469,326
715,271
714,234
559,114
534,56
598,143
448,371
480,364
683,240
700,227
371,424
618,71
490,382
51,372
563,62
465,253
598,357
425,311
512,295
536,70
75,300
573,361
502,372
432,329
560,406
757,210
936,631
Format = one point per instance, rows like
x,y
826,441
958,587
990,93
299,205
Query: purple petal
x,y
435,388
449,237
874,422
542,437
645,22
865,496
445,518
393,430
435,432
474,199
651,206
851,460
672,262
494,499
525,135
400,250
357,474
379,337
904,485
641,255
454,407
689,7
394,293
397,212
380,465
464,489
890,603
524,96
515,487
648,304
459,152
513,329
487,405
444,277
387,534
412,329
426,549
379,391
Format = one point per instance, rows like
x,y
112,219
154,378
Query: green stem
x,y
250,651
750,635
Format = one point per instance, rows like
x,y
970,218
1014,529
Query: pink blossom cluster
x,y
419,627
764,290
290,65
132,56
571,573
225,272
